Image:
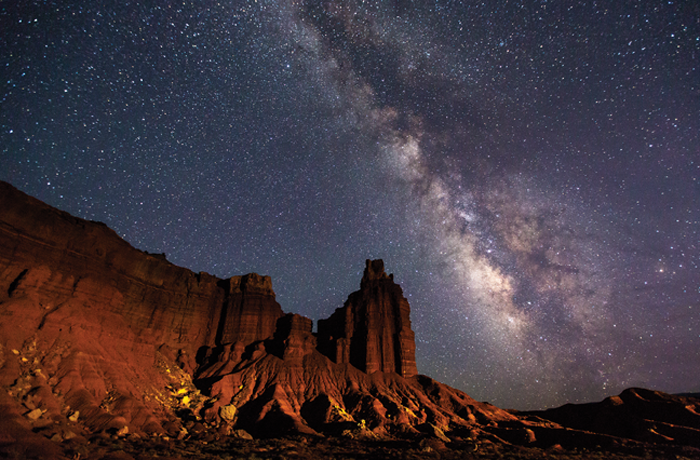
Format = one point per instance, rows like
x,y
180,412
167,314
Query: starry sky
x,y
528,170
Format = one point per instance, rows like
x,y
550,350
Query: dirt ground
x,y
134,448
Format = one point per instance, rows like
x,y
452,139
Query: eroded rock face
x,y
250,311
277,396
131,342
98,336
372,331
89,323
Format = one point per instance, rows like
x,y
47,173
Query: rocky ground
x,y
112,447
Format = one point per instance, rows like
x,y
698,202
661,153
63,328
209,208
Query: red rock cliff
x,y
96,335
250,311
372,331
85,318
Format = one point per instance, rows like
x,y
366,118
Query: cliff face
x,y
97,336
372,331
90,324
250,311
51,258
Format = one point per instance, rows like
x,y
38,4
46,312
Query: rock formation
x,y
250,311
99,337
372,331
285,384
129,341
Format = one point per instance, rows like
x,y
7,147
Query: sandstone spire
x,y
372,331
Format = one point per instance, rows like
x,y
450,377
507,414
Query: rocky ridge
x,y
636,413
97,337
126,342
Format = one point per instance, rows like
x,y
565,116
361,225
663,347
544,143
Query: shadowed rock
x,y
643,415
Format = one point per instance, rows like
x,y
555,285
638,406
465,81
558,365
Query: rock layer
x,y
250,311
91,324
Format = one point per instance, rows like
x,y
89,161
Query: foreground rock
x,y
370,389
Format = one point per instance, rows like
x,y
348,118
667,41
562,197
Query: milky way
x,y
530,171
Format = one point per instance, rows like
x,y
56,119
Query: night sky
x,y
528,170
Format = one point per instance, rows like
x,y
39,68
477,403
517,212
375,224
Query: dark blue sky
x,y
529,171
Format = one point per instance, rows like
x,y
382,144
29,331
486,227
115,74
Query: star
x,y
529,172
